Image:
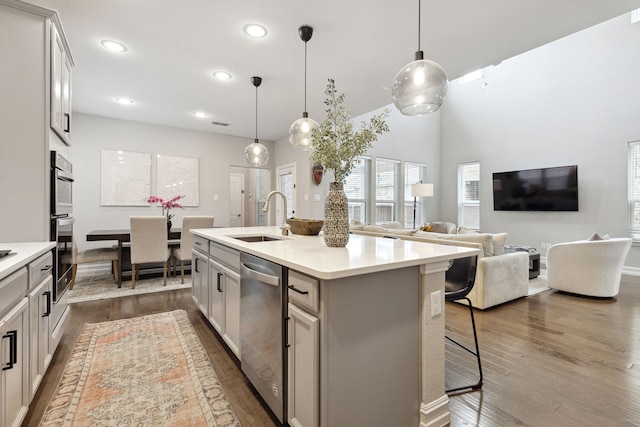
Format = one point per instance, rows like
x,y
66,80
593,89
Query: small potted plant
x,y
166,205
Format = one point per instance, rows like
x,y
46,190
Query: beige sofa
x,y
500,277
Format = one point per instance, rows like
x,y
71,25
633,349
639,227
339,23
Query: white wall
x,y
92,134
414,139
573,101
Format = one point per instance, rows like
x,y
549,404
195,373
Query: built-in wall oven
x,y
62,221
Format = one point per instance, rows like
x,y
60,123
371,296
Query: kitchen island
x,y
365,324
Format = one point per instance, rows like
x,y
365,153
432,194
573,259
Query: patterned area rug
x,y
539,284
91,288
145,371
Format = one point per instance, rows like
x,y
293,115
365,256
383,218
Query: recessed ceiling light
x,y
113,46
255,30
222,75
200,114
124,101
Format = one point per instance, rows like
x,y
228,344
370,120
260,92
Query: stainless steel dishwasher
x,y
262,329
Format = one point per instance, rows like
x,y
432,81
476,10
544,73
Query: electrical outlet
x,y
436,303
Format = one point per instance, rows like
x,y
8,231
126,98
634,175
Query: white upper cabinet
x,y
60,86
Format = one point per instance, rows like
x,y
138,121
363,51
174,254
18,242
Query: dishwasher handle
x,y
262,277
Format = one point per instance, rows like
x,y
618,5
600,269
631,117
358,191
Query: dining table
x,y
123,236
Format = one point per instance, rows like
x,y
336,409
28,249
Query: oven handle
x,y
63,175
65,220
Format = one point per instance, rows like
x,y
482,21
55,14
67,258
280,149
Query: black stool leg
x,y
476,353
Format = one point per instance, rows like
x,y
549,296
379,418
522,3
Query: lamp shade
x,y
419,88
422,190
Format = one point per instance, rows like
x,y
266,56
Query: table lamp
x,y
420,190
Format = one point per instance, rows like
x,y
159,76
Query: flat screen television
x,y
546,189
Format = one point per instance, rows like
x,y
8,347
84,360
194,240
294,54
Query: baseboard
x,y
631,275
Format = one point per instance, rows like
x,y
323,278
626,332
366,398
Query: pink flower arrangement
x,y
166,204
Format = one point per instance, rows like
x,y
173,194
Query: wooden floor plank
x,y
552,359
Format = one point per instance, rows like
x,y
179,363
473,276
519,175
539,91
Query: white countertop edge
x,y
271,251
22,253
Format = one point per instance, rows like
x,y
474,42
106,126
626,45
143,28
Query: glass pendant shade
x,y
256,154
419,87
300,132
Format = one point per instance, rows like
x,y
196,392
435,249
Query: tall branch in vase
x,y
336,146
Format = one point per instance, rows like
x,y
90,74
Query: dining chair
x,y
89,256
183,252
459,281
149,243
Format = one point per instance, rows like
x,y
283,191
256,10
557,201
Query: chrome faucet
x,y
284,227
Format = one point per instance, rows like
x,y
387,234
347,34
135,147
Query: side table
x,y
534,258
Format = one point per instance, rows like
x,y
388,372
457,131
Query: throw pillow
x,y
376,229
464,230
439,227
596,236
393,224
499,241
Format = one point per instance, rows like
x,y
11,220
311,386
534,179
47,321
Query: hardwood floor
x,y
249,409
551,359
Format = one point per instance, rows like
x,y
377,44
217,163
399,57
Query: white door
x,y
286,184
236,200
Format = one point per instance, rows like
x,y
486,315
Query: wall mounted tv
x,y
547,189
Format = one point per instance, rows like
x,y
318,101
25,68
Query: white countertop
x,y
309,254
21,254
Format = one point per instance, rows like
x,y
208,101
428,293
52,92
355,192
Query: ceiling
x,y
174,46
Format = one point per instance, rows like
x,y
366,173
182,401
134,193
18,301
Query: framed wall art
x,y
125,178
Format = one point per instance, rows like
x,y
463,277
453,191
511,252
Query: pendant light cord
x,y
305,76
256,113
419,4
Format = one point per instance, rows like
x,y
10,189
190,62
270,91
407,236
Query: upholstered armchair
x,y
587,267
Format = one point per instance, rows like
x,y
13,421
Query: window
x,y
469,195
633,190
356,187
387,187
413,174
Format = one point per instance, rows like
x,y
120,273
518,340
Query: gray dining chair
x,y
89,256
183,252
149,243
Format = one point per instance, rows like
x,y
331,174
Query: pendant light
x,y
300,130
256,154
420,86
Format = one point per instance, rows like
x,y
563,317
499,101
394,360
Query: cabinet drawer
x,y
12,288
201,244
40,269
303,290
229,257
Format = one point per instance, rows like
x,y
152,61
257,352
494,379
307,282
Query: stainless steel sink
x,y
257,238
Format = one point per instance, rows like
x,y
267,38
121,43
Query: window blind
x,y
387,182
469,195
356,187
633,189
